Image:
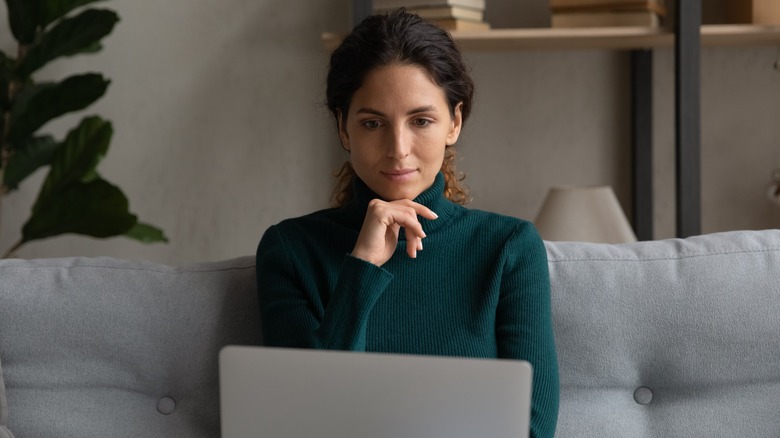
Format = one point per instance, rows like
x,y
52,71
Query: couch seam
x,y
680,257
173,270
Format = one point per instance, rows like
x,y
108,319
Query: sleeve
x,y
524,327
290,309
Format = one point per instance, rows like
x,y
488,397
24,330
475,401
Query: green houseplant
x,y
73,198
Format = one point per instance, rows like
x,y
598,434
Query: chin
x,y
398,195
397,191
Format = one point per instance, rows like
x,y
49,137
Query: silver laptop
x,y
290,393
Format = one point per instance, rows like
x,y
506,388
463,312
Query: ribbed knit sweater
x,y
480,288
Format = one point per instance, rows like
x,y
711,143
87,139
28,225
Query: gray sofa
x,y
656,339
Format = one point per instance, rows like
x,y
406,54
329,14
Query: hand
x,y
379,235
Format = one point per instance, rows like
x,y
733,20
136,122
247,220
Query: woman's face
x,y
396,130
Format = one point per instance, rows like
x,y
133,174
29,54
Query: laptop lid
x,y
292,393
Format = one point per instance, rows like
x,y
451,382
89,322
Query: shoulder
x,y
314,220
508,226
495,233
518,237
299,227
322,234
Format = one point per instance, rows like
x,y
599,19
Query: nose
x,y
399,143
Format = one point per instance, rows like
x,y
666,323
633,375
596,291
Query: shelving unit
x,y
608,38
686,38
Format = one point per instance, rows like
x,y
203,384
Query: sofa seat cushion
x,y
114,348
669,338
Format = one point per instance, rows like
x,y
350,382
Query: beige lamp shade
x,y
583,214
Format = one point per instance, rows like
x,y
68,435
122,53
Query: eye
x,y
421,123
372,124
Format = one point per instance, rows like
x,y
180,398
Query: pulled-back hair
x,y
399,37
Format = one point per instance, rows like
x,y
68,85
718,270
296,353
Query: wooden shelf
x,y
613,38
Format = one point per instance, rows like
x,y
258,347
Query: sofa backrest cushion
x,y
669,338
113,348
655,339
4,432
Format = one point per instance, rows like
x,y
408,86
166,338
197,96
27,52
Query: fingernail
x,y
435,216
419,245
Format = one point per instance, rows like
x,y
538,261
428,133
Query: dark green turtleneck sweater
x,y
480,288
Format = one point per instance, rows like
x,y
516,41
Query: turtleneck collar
x,y
433,198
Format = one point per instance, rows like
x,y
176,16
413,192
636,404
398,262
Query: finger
x,y
416,245
411,247
413,229
402,215
427,213
420,209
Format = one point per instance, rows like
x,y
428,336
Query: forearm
x,y
296,313
343,325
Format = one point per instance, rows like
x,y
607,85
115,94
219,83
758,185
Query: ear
x,y
457,123
343,135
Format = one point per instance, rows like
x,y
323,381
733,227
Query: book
x,y
394,4
598,3
606,19
446,12
656,6
764,12
454,24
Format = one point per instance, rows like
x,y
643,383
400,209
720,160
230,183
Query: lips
x,y
399,172
399,175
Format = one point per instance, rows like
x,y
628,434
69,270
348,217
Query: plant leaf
x,y
78,157
23,16
32,155
92,48
146,233
5,103
69,37
6,65
97,209
38,104
52,10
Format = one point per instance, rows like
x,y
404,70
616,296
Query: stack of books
x,y
606,13
451,15
764,12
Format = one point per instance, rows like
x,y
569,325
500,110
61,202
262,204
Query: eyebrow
x,y
418,110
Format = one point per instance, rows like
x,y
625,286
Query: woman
x,y
399,265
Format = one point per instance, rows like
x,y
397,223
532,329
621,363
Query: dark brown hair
x,y
404,38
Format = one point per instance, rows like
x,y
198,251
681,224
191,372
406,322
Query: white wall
x,y
740,138
221,130
544,119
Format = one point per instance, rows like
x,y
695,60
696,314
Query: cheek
x,y
431,145
359,142
364,154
